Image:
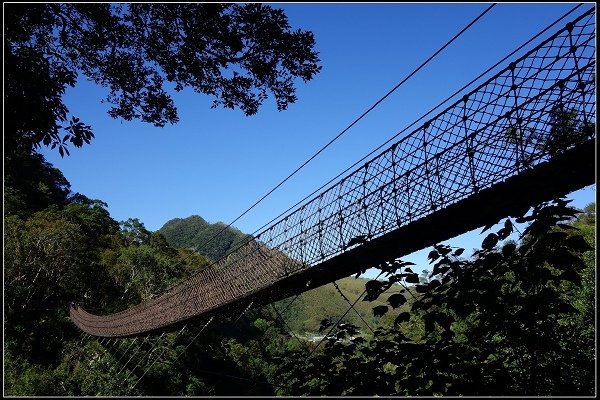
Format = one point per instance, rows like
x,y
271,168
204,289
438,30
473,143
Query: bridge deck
x,y
524,136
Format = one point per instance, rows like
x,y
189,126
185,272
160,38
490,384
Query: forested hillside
x,y
210,240
306,312
514,318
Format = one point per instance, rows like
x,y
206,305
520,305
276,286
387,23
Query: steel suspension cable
x,y
127,349
335,178
133,355
327,145
379,147
157,358
339,320
352,306
194,338
278,315
456,36
148,353
416,121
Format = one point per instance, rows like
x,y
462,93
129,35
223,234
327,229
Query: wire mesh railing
x,y
537,107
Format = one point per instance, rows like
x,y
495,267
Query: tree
x,y
567,128
512,320
31,184
134,231
236,53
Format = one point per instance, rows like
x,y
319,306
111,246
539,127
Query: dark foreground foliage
x,y
513,320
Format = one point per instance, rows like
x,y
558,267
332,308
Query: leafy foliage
x,y
31,184
514,319
237,53
67,247
500,323
305,313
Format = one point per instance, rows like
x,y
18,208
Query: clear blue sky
x,y
216,163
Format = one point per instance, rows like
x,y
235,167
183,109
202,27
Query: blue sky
x,y
216,163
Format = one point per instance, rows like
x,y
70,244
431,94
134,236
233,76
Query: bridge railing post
x,y
470,149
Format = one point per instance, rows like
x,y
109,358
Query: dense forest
x,y
512,319
515,318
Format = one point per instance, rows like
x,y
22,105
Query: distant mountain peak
x,y
211,240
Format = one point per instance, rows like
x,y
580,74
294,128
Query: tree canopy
x,y
237,53
516,318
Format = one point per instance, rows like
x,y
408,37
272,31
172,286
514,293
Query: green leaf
x,y
440,269
401,263
429,324
433,255
508,249
566,226
388,267
487,227
433,284
402,317
563,259
506,230
571,276
359,340
442,249
380,311
578,243
421,288
326,322
396,300
566,308
374,289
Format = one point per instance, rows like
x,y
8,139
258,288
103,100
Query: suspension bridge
x,y
525,135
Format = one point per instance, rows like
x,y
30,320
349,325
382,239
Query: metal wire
x,y
503,127
157,358
352,307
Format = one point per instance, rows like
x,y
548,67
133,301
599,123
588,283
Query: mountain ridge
x,y
309,308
